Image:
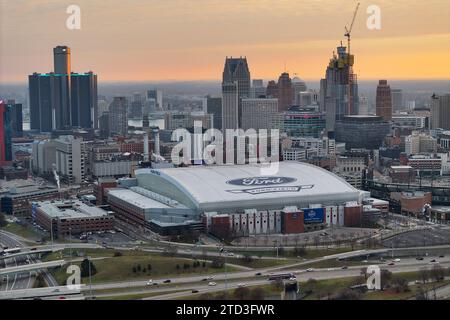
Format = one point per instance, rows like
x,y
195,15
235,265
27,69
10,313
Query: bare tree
x,y
424,275
437,273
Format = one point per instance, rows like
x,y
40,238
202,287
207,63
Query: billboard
x,y
313,215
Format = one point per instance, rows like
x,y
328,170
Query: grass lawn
x,y
121,268
22,231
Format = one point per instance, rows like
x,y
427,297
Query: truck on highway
x,y
281,276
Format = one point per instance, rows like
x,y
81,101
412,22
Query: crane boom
x,y
353,21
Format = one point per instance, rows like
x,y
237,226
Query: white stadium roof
x,y
212,188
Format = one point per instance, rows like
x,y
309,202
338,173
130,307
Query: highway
x,y
22,280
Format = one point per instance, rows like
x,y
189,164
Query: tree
x,y
310,286
437,273
3,222
400,284
118,254
242,293
364,272
257,294
85,268
386,277
134,270
149,267
138,268
218,262
348,294
424,275
246,258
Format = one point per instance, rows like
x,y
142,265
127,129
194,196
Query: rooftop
x,y
70,209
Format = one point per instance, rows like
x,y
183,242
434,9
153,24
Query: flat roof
x,y
136,199
70,209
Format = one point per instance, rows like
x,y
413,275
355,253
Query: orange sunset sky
x,y
137,40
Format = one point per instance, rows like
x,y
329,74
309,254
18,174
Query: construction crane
x,y
349,30
350,62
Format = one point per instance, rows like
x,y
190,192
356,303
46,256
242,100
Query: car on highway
x,y
434,260
344,267
167,281
230,254
396,260
391,264
150,282
209,278
419,258
194,291
441,256
258,274
309,270
241,285
212,284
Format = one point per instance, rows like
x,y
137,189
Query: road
x,y
22,280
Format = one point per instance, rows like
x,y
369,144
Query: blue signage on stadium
x,y
314,215
261,181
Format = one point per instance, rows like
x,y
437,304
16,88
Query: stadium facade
x,y
236,199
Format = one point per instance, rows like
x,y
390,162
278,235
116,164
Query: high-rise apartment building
x,y
118,116
285,94
384,101
440,111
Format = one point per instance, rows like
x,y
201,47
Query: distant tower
x,y
61,60
236,70
118,116
384,101
272,89
284,92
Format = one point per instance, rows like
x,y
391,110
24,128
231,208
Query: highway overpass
x,y
31,267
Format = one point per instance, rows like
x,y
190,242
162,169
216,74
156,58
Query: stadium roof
x,y
247,186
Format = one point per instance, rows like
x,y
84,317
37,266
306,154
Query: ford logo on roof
x,y
261,181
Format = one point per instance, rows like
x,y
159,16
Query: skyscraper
x,y
397,99
84,102
16,118
272,89
236,70
384,101
257,90
61,60
118,116
235,86
156,95
258,113
339,88
5,134
298,85
214,107
284,92
230,106
440,111
62,99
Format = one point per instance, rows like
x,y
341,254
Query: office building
x,y
417,143
258,113
272,89
156,96
384,101
359,132
236,71
71,158
16,118
298,85
303,122
175,120
440,111
285,94
397,99
43,157
230,106
118,116
5,134
258,90
214,107
84,103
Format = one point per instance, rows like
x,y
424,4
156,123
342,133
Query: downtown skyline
x,y
161,41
